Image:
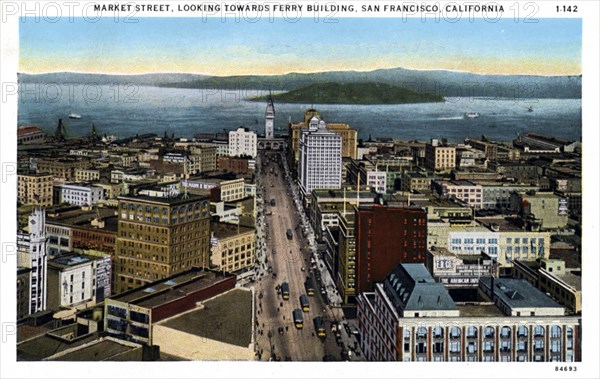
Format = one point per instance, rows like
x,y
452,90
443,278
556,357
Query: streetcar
x,y
298,319
285,291
319,327
304,303
310,288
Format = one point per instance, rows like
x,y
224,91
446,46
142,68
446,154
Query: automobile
x,y
302,269
274,275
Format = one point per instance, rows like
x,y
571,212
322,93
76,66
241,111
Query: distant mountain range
x,y
439,82
353,93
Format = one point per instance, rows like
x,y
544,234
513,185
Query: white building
x,y
269,119
410,318
31,249
320,163
377,180
242,142
80,194
71,281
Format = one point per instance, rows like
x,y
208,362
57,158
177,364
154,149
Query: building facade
x,y
80,195
32,254
400,321
158,237
242,142
71,281
34,189
320,158
439,156
385,237
232,247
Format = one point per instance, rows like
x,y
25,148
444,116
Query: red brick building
x,y
234,164
385,237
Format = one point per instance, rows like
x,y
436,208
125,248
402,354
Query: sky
x,y
210,46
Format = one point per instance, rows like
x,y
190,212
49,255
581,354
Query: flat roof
x,y
338,194
431,201
70,260
504,224
83,219
519,293
168,289
225,230
479,310
98,350
175,200
217,320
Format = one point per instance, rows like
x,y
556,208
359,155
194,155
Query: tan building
x,y
349,136
552,276
232,246
159,237
63,168
439,156
346,275
208,157
34,189
86,175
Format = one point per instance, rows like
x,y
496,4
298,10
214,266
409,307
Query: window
x,y
472,332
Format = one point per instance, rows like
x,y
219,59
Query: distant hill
x,y
106,79
440,82
353,93
443,83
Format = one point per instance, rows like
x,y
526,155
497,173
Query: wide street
x,y
286,261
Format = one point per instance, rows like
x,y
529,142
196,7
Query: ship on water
x,y
471,115
74,116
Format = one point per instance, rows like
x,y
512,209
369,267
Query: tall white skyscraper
x,y
242,142
269,119
31,248
320,163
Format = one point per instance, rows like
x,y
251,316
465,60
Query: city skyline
x,y
212,47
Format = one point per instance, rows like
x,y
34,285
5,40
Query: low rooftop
x,y
217,320
224,230
174,287
519,293
174,200
104,349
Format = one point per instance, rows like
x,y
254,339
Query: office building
x,y
79,194
387,235
242,143
320,158
159,237
409,317
232,246
34,189
440,156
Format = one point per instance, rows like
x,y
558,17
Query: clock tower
x,y
269,118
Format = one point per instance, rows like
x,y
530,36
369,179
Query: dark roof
x,y
217,320
175,200
411,287
225,230
168,289
104,349
519,293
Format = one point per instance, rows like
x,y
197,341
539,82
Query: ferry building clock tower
x,y
269,119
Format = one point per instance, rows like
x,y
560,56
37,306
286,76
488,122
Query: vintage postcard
x,y
299,189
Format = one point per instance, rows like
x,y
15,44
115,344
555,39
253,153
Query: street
x,y
286,260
